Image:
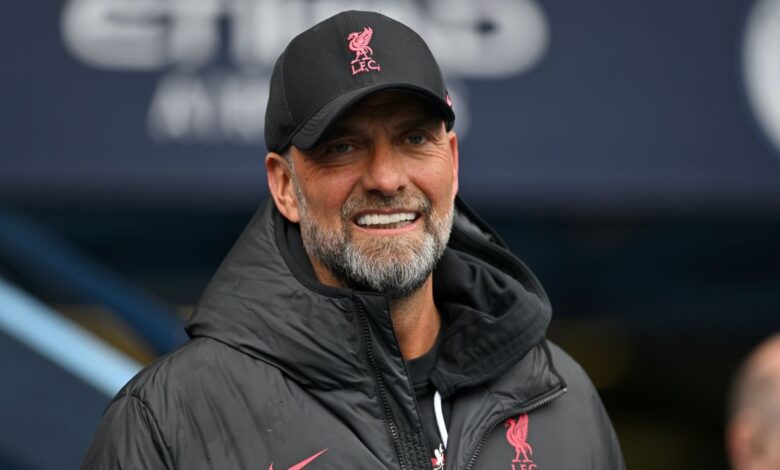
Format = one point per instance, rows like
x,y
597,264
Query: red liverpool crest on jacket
x,y
517,436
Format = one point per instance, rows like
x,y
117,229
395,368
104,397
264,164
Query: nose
x,y
384,172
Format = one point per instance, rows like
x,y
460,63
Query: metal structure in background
x,y
62,342
41,255
58,376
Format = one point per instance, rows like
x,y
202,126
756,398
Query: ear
x,y
453,140
281,187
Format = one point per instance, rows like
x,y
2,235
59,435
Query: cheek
x,y
326,195
435,178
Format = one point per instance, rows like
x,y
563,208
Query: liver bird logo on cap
x,y
358,43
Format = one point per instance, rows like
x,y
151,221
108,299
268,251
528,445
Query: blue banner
x,y
564,106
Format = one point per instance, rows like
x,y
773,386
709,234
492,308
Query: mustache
x,y
417,202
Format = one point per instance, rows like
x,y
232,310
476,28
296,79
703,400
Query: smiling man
x,y
366,318
374,200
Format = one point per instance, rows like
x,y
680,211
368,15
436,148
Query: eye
x,y
416,139
340,147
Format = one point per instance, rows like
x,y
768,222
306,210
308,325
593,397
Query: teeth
x,y
385,219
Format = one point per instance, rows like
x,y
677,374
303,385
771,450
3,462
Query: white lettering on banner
x,y
761,66
187,108
141,34
491,39
115,35
182,109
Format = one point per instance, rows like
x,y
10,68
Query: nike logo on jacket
x,y
303,463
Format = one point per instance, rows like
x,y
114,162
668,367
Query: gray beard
x,y
394,266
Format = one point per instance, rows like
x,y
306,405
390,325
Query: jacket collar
x,y
265,301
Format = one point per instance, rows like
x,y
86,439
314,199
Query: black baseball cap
x,y
329,67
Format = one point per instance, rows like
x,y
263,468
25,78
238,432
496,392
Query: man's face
x,y
375,198
753,433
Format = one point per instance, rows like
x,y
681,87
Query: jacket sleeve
x,y
612,450
128,438
602,441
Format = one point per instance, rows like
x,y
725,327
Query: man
x,y
753,432
366,318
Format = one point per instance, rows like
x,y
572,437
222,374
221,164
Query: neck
x,y
416,322
416,319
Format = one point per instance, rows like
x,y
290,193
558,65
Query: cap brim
x,y
311,132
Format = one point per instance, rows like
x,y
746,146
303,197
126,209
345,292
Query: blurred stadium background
x,y
628,151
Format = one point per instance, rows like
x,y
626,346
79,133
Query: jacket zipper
x,y
519,411
380,385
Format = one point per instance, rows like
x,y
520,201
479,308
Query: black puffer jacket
x,y
283,372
